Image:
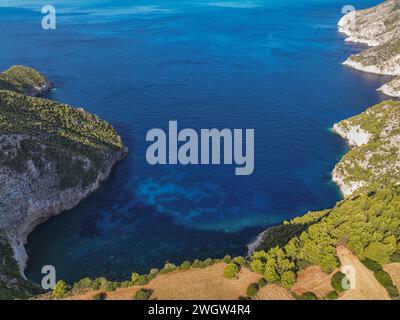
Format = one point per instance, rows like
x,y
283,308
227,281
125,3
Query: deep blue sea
x,y
274,66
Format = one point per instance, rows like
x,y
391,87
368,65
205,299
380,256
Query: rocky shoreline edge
x,y
358,30
52,156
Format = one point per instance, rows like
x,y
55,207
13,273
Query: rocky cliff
x,y
51,157
374,160
378,27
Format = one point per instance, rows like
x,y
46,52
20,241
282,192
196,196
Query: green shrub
x,y
231,271
306,296
395,257
60,290
168,267
392,291
197,263
154,271
337,282
383,278
386,281
110,286
240,260
302,264
143,280
99,283
135,277
288,279
262,282
378,251
126,284
142,294
256,265
252,290
371,264
333,295
208,262
82,285
227,259
185,265
100,296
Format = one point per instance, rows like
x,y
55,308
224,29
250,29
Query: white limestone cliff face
x,y
30,198
392,88
355,137
378,27
51,157
372,26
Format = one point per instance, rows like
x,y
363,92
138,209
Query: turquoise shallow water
x,y
268,65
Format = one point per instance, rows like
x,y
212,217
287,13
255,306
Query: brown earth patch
x,y
367,287
204,284
273,292
313,279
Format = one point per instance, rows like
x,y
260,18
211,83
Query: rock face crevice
x,y
379,28
51,157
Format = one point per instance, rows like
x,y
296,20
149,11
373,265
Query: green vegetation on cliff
x,y
368,224
48,146
377,163
19,287
23,80
54,132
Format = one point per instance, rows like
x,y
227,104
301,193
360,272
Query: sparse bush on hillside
x,y
337,281
252,290
306,296
82,285
227,259
386,281
262,282
142,280
110,286
142,294
135,277
231,270
240,260
197,263
168,267
333,295
154,271
60,290
395,257
185,265
100,296
393,292
371,264
126,284
383,278
288,279
208,262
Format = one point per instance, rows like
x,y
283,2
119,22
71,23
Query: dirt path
x,y
367,288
